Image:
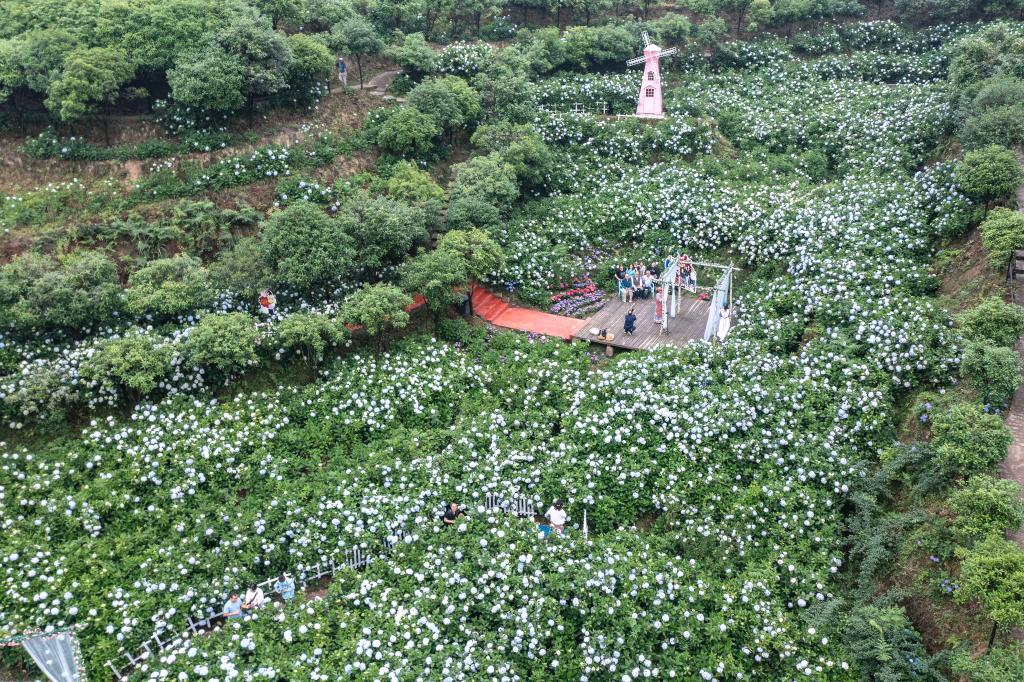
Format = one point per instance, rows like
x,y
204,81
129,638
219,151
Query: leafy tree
x,y
264,54
136,363
402,15
441,274
223,343
932,10
985,506
279,10
311,63
481,254
760,14
90,78
994,321
968,441
168,287
990,173
994,371
414,186
409,132
1002,232
545,52
992,574
414,55
488,178
468,212
210,79
304,248
311,334
40,56
83,290
521,147
599,47
673,29
1001,125
709,32
505,89
383,229
357,36
449,100
320,15
438,275
378,307
241,269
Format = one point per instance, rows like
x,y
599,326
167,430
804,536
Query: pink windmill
x,y
648,103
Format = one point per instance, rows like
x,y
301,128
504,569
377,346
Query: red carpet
x,y
501,314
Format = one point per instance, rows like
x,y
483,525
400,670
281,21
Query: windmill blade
x,y
636,60
669,52
646,37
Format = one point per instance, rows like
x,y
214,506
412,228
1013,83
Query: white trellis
x,y
671,289
354,558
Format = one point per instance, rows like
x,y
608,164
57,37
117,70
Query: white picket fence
x,y
354,559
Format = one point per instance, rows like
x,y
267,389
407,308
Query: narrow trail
x,y
1013,466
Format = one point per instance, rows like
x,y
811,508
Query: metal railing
x,y
354,559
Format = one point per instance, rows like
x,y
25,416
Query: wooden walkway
x,y
686,326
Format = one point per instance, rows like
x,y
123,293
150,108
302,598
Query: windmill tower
x,y
649,103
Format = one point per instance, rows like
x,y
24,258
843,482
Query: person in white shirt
x,y
556,515
253,598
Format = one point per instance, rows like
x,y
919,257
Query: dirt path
x,y
1013,466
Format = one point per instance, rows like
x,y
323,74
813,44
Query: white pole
x,y
586,533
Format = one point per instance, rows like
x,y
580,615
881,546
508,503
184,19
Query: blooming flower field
x,y
735,459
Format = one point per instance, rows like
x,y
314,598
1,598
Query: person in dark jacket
x,y
630,325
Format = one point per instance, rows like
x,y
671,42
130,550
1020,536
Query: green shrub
x,y
455,330
310,334
885,645
305,248
968,441
1002,232
992,574
80,291
224,344
42,392
408,132
1000,664
136,363
986,506
990,173
993,321
378,307
241,269
993,371
168,287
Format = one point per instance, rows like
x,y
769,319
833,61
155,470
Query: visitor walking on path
x,y
342,72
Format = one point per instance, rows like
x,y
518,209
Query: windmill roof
x,y
652,46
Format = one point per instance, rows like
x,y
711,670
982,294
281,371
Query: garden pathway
x,y
501,314
1013,466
